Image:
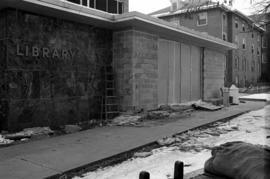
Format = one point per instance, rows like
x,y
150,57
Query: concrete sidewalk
x,y
44,158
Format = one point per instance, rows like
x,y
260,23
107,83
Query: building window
x,y
224,36
236,40
243,28
175,21
258,51
259,65
244,64
244,44
264,42
202,19
264,61
236,63
253,66
252,35
75,1
236,23
252,48
111,6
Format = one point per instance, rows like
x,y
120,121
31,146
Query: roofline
x,y
78,13
212,6
172,27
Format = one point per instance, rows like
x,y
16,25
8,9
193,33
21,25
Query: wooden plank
x,y
177,66
163,72
185,73
195,74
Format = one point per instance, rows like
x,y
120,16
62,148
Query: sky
x,y
147,6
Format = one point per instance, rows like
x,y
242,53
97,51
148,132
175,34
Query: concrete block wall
x,y
145,64
123,67
213,74
135,62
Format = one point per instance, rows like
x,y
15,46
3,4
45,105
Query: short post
x,y
144,175
178,170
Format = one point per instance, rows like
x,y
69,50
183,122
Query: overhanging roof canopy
x,y
81,14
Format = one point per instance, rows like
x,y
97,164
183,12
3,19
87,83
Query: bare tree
x,y
261,6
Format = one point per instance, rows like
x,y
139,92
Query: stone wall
x,y
213,74
54,70
135,58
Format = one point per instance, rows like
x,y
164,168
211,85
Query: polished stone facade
x,y
51,70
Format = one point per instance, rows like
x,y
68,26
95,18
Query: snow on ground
x,y
252,127
260,96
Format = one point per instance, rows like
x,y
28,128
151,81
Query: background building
x,y
264,21
243,66
111,6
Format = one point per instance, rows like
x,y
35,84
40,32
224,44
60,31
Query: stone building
x,y
53,56
244,64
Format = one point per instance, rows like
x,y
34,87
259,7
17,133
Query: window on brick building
x,y
236,63
253,66
259,65
236,23
244,44
236,40
252,48
243,27
264,42
111,6
258,51
244,64
202,19
224,36
175,20
264,61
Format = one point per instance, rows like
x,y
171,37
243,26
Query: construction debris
x,y
5,142
206,106
29,132
126,120
166,141
142,154
69,129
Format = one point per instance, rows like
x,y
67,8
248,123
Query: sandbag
x,y
239,160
